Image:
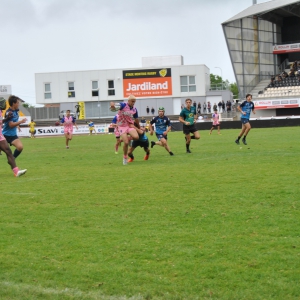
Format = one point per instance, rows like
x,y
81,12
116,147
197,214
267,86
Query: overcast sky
x,y
72,35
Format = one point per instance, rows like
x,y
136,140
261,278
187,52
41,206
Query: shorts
x,y
187,129
92,128
215,125
125,129
142,144
68,130
10,139
161,136
32,130
244,121
2,138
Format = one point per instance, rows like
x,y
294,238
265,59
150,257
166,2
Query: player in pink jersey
x,y
216,122
127,119
4,145
68,122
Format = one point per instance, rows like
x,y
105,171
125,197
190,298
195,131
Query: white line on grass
x,y
23,288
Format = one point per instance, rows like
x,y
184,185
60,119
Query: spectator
x,y
152,110
143,122
195,105
292,73
199,108
223,105
215,107
220,105
208,107
147,110
284,74
228,105
204,107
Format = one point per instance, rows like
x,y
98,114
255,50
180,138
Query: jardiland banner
x,y
147,83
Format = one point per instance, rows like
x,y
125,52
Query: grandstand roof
x,y
273,10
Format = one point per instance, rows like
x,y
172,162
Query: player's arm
x,y
12,124
74,123
182,120
168,123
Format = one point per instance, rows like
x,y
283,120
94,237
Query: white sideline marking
x,y
68,292
17,193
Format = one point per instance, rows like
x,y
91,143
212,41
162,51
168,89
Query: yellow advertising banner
x,y
81,111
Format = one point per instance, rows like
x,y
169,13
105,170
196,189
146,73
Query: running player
x,y
68,122
10,125
188,117
127,116
4,145
162,127
245,109
216,122
143,142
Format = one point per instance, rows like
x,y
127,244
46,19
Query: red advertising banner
x,y
147,83
279,49
271,104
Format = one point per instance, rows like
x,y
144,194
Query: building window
x,y
71,90
187,84
47,93
95,89
111,88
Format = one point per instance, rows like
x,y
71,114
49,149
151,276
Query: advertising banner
x,y
81,110
279,49
271,104
59,130
147,83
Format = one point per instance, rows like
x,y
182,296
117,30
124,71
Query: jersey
x,y
126,115
161,124
246,107
91,124
11,131
215,119
31,126
188,115
68,123
143,137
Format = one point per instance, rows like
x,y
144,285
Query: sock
x,y
125,156
17,153
117,147
131,156
192,137
244,137
187,146
15,170
238,138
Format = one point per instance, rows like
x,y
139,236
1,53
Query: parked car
x,y
64,112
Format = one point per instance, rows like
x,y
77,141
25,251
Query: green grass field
x,y
219,223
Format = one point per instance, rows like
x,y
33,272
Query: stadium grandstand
x,y
264,47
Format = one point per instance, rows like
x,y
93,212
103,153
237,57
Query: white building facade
x,y
153,86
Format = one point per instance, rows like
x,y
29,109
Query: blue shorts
x,y
244,121
10,139
161,136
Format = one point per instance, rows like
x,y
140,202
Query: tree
x,y
218,83
27,105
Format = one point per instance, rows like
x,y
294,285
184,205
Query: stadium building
x,y
264,44
162,81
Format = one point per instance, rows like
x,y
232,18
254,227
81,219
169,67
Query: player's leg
x,y
187,142
118,143
67,139
19,147
164,143
237,141
147,150
125,144
130,153
10,158
213,127
247,129
219,129
196,135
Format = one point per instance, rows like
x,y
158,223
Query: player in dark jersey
x,y
162,127
245,109
143,142
188,117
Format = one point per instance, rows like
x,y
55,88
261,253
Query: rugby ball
x,y
116,108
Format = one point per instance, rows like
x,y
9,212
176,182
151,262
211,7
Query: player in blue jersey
x,y
142,142
91,127
10,125
245,109
162,127
188,117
